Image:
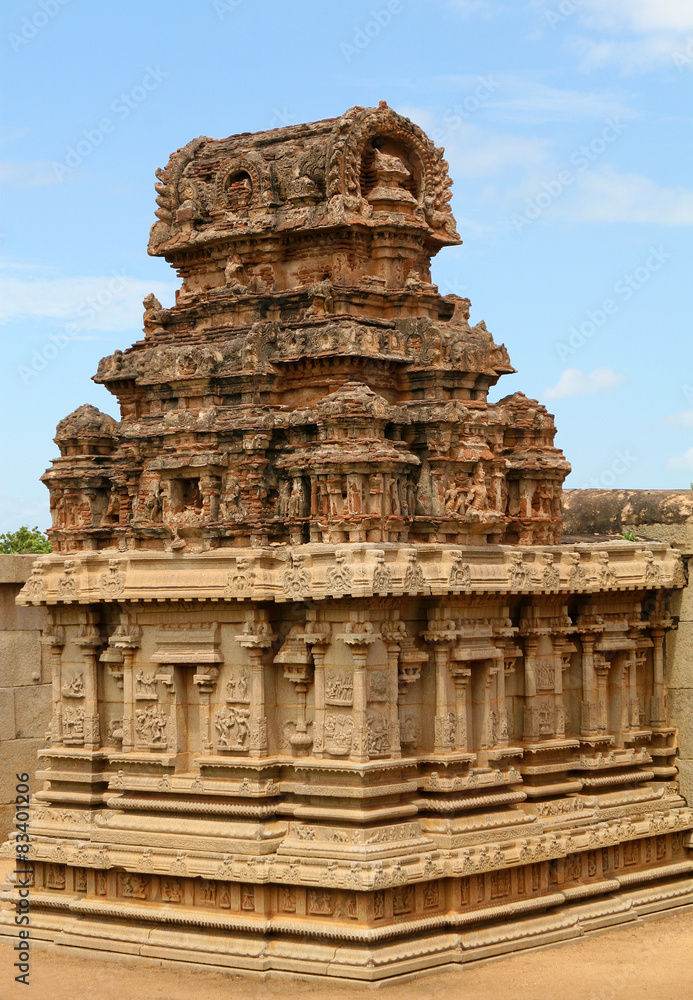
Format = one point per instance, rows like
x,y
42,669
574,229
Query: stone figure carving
x,y
232,728
339,576
230,507
339,688
518,573
460,573
382,575
241,580
237,687
653,574
55,876
550,576
73,725
68,586
297,500
477,494
150,724
134,886
577,578
378,734
296,580
605,575
339,731
112,583
145,684
74,688
454,498
414,579
35,586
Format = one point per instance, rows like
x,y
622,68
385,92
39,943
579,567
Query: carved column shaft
x,y
205,680
602,667
128,701
258,719
393,651
360,747
54,638
531,730
658,714
92,734
442,658
319,682
589,722
461,677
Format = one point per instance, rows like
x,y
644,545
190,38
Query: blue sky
x,y
567,126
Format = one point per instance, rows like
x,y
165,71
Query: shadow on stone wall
x,y
25,685
662,516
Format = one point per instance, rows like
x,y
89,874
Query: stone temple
x,y
329,695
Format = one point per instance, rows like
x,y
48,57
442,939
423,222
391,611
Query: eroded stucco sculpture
x,y
329,695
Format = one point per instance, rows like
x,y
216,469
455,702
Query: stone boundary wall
x,y
662,516
25,685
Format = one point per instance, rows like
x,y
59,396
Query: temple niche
x,y
329,694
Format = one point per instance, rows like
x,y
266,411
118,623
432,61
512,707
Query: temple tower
x,y
329,695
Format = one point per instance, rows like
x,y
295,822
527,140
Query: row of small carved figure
x,y
615,845
296,580
463,498
467,349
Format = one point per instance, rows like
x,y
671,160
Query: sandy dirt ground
x,y
649,961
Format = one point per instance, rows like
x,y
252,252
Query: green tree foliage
x,y
25,540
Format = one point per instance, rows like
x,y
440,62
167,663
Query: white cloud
x,y
605,195
636,55
475,152
514,98
472,151
684,462
532,103
575,382
635,35
639,15
27,173
682,419
421,116
110,302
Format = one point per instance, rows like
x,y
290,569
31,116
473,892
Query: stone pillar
x,y
295,657
390,632
319,682
461,676
443,742
563,651
658,714
589,725
637,719
256,637
89,640
358,636
205,679
126,639
602,667
531,731
54,638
